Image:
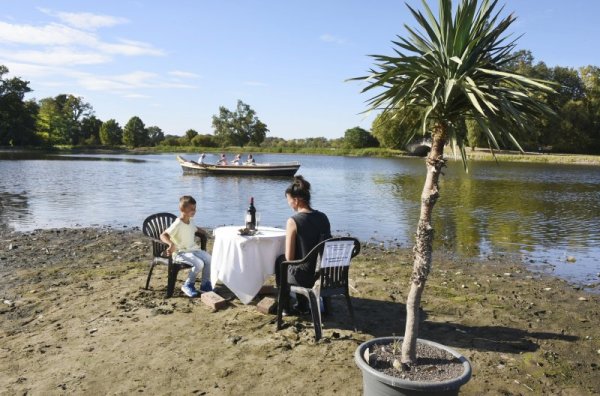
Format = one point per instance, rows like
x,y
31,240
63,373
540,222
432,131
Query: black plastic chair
x,y
331,280
154,226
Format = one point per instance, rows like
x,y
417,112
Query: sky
x,y
174,63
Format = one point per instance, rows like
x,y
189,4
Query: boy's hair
x,y
186,200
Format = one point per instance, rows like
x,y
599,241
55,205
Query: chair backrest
x,y
154,226
335,261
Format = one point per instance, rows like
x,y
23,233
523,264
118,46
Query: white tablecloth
x,y
243,263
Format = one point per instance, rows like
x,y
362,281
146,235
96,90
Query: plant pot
x,y
376,383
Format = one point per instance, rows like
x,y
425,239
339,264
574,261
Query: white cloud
x,y
85,20
126,82
329,38
183,74
58,56
55,34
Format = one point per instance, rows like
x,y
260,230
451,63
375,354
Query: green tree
x,y
455,68
17,116
357,137
155,135
190,134
59,118
134,133
239,127
474,133
111,133
204,140
90,130
394,129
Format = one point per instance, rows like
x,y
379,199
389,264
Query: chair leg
x,y
351,310
326,305
281,302
150,274
316,314
173,270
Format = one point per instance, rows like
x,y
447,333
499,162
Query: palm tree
x,y
454,68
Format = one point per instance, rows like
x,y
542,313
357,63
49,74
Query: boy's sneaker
x,y
206,287
189,290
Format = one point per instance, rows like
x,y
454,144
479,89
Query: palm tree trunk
x,y
423,243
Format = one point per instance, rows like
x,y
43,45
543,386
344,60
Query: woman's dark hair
x,y
299,188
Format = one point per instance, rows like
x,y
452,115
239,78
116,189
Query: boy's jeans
x,y
199,260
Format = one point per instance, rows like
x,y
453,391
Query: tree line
x,y
69,120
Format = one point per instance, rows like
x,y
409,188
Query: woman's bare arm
x,y
290,239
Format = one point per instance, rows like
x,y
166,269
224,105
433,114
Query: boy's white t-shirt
x,y
183,235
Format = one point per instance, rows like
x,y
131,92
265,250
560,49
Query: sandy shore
x,y
75,319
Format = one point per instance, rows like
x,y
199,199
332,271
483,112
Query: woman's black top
x,y
312,228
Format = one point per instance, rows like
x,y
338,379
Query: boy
x,y
180,238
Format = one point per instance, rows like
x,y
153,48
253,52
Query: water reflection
x,y
13,208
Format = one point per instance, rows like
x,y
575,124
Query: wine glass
x,y
257,214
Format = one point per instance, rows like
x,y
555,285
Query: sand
x,y
75,319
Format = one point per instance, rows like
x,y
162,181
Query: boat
x,y
257,169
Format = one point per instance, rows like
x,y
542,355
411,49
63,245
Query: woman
x,y
304,230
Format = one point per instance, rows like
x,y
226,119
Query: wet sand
x,y
75,319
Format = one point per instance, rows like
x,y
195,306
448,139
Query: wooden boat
x,y
258,169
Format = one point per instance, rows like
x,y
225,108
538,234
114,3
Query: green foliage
x,y
134,133
90,130
456,67
59,119
239,127
357,137
190,134
474,133
394,129
17,116
204,141
111,133
155,135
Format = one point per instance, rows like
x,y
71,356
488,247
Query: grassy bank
x,y
476,155
78,321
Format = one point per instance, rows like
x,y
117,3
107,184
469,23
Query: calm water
x,y
543,213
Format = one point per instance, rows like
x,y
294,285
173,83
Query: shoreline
x,y
79,321
480,154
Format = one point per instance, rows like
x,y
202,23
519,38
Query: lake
x,y
543,213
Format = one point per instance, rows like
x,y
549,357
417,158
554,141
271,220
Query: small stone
x,y
598,351
507,274
33,291
397,365
92,331
547,288
463,286
11,246
571,259
9,303
582,299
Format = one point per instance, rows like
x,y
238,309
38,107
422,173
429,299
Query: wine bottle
x,y
251,215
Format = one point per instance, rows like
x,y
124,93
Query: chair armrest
x,y
203,235
159,242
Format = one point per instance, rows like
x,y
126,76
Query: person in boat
x,y
201,158
250,160
304,230
222,160
237,160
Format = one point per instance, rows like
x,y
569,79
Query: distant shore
x,y
479,154
74,318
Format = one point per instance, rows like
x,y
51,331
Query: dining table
x,y
244,262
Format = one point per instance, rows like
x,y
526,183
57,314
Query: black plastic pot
x,y
376,383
